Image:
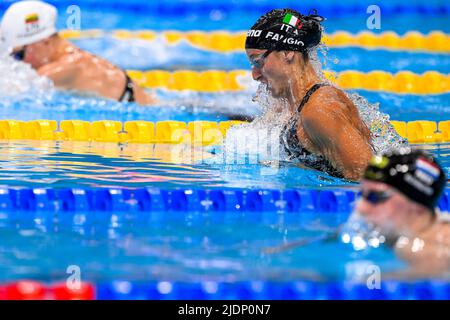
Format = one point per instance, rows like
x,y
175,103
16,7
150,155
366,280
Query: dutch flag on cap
x,y
428,168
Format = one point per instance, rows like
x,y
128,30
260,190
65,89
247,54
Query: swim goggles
x,y
259,63
19,55
377,197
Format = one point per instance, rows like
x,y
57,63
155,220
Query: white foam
x,y
275,115
18,79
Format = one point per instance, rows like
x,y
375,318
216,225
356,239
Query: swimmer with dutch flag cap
x,y
400,191
398,208
324,130
28,30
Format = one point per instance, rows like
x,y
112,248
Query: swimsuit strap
x,y
128,92
309,94
293,147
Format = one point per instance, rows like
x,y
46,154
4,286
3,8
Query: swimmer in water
x,y
400,191
29,32
324,122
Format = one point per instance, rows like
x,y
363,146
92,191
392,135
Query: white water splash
x,y
18,79
245,138
260,139
384,136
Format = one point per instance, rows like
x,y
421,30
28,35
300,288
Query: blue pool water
x,y
185,56
79,164
191,246
189,106
239,15
179,246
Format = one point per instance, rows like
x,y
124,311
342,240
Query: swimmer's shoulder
x,y
325,103
444,228
78,62
332,100
68,61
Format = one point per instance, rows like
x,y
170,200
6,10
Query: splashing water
x,y
246,139
384,136
260,139
360,233
20,80
27,96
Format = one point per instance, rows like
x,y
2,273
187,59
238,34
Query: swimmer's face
x,y
36,54
270,70
383,206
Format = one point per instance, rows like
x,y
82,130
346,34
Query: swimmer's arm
x,y
142,97
336,139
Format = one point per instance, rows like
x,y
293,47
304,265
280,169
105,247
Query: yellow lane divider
x,y
423,131
225,41
430,82
199,133
207,81
168,132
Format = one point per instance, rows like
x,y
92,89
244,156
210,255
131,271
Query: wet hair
x,y
285,30
305,55
413,172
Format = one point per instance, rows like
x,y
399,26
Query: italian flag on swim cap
x,y
292,21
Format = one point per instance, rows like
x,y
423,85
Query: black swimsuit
x,y
293,147
128,92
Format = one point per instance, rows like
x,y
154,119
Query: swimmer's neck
x,y
299,84
419,225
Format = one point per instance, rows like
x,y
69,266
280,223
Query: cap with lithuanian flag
x,y
26,22
32,18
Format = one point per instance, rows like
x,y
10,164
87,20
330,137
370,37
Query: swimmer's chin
x,y
273,92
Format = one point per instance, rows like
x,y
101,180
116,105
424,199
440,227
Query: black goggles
x,y
19,55
377,197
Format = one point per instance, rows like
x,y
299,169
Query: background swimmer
x,y
29,31
323,121
399,193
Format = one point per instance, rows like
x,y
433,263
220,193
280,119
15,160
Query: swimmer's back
x,y
84,72
329,99
329,94
330,126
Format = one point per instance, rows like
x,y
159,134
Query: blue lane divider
x,y
259,290
330,8
186,200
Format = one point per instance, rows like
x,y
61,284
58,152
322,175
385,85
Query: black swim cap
x,y
412,172
285,30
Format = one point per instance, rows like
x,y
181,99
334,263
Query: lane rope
x,y
403,82
200,133
226,41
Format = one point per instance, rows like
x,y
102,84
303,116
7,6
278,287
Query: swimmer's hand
x,y
148,100
153,99
282,163
270,163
